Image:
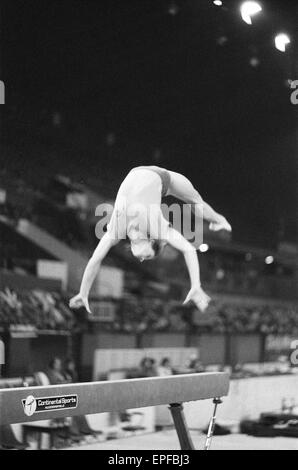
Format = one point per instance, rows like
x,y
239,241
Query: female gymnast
x,y
137,215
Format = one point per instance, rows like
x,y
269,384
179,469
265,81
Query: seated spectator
x,y
147,367
195,365
55,372
79,427
165,367
70,372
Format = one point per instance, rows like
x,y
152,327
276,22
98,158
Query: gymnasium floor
x,y
167,440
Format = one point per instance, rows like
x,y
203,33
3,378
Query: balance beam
x,y
26,404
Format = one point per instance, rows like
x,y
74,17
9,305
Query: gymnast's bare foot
x,y
221,224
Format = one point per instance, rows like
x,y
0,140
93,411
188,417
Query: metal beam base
x,y
181,426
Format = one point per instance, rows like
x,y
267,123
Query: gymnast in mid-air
x,y
137,215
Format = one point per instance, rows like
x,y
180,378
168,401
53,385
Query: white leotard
x,y
137,206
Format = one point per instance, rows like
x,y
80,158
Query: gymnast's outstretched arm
x,y
181,188
196,293
91,271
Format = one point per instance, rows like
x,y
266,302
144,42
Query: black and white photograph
x,y
149,227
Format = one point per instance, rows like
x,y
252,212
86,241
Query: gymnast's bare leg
x,y
181,188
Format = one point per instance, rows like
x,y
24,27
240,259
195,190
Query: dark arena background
x,y
90,90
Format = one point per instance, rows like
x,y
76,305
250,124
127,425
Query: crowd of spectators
x,y
40,309
149,367
137,316
266,319
49,311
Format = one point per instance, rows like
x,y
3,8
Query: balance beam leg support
x,y
181,426
216,401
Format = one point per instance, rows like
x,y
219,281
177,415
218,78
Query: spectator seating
x,y
43,310
49,311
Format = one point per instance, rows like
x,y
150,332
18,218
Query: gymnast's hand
x,y
78,302
220,224
198,297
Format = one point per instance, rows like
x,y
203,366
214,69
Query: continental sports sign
x,y
34,405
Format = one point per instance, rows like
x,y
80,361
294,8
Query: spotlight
x,y
249,9
220,274
173,9
222,40
110,139
204,248
254,62
281,42
218,3
269,260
